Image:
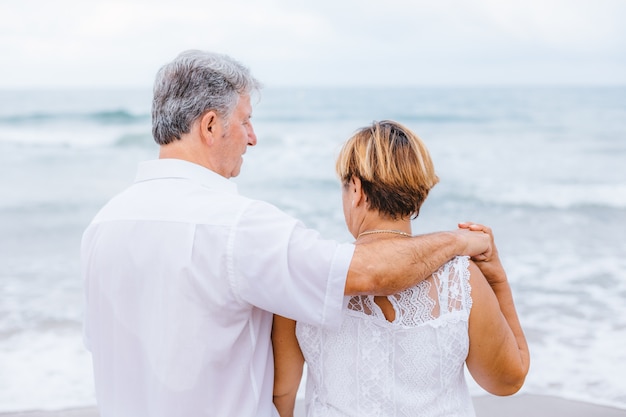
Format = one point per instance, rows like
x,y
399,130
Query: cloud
x,y
105,43
559,23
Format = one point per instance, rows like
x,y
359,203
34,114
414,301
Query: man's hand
x,y
488,262
475,244
475,227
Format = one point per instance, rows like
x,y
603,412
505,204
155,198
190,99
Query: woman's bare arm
x,y
388,266
498,356
288,364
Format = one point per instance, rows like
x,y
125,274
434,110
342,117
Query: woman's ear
x,y
357,192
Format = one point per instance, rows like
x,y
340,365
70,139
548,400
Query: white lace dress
x,y
413,366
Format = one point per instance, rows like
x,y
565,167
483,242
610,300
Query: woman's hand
x,y
489,263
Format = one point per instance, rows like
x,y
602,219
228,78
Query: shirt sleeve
x,y
283,267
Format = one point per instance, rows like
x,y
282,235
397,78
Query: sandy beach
x,y
522,405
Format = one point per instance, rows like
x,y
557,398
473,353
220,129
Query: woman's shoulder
x,y
453,284
457,268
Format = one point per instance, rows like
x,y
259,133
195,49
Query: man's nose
x,y
251,137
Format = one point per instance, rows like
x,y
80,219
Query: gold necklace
x,y
371,232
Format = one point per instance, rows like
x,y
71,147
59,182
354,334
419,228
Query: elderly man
x,y
182,274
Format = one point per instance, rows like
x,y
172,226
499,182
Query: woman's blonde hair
x,y
394,167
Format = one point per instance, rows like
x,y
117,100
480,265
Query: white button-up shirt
x,y
182,275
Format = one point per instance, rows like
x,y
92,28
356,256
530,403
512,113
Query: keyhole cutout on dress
x,y
386,307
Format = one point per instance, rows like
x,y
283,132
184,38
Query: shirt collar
x,y
178,168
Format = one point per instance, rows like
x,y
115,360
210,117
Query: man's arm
x,y
389,266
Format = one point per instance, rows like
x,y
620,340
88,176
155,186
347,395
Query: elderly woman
x,y
402,354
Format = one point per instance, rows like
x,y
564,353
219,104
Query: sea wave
x,y
293,114
540,196
565,196
143,139
119,116
334,115
72,134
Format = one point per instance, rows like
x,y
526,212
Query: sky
x,y
110,43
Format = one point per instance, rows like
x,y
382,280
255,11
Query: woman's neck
x,y
384,229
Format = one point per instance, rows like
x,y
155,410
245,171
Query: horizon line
x,y
325,86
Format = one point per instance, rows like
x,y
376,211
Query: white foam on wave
x,y
592,371
77,136
559,196
47,371
572,312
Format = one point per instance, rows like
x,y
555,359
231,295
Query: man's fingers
x,y
467,225
475,227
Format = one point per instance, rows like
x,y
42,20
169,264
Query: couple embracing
x,y
202,302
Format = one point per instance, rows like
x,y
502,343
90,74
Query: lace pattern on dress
x,y
446,291
411,366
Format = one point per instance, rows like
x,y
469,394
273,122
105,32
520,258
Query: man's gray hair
x,y
193,83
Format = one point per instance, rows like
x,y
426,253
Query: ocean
x,y
545,167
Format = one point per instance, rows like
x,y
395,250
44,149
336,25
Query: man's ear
x,y
208,126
